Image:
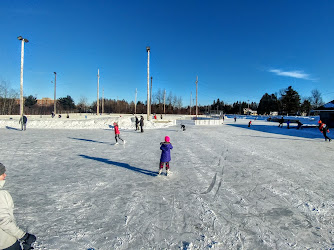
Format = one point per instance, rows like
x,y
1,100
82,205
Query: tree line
x,y
288,101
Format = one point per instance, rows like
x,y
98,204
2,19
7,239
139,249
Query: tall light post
x,y
23,40
97,101
148,83
196,95
55,98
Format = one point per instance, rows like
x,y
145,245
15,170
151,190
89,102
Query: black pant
x,y
325,135
141,129
15,246
117,136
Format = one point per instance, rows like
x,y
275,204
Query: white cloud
x,y
294,74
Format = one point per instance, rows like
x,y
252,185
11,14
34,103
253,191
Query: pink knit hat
x,y
167,139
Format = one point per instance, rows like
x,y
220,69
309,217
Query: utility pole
x,y
196,95
136,102
190,102
23,40
148,83
55,99
102,101
165,102
97,101
151,96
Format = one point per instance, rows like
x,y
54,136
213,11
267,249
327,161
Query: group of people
x,y
165,146
140,123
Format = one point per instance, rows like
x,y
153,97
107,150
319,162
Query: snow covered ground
x,y
231,187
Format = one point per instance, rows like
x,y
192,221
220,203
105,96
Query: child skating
x,y
117,133
165,158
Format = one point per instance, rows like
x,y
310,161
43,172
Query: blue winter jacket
x,y
165,154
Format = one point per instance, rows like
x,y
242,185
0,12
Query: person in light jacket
x,y
10,233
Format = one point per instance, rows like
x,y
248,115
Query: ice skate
x,y
160,170
167,172
116,143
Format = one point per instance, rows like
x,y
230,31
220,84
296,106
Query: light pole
x,y
97,101
23,40
148,83
55,99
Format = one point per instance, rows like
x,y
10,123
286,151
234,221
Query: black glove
x,y
28,239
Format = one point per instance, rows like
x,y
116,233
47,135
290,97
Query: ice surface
x,y
232,187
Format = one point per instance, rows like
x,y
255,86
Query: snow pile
x,y
83,122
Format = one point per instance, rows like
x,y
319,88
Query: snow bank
x,y
84,122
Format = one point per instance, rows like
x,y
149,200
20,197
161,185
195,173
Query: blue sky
x,y
238,49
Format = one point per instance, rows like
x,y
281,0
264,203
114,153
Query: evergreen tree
x,y
30,101
268,103
290,101
306,107
67,103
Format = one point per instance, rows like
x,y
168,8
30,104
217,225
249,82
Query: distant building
x,y
273,113
45,101
248,111
326,113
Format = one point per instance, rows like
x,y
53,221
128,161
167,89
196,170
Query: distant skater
x,y
249,123
324,130
23,121
141,123
235,118
165,158
137,123
183,127
117,133
288,124
280,125
299,125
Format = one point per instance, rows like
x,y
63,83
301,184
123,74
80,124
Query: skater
x,y
288,124
165,158
10,233
183,127
299,125
23,121
117,133
249,124
324,131
137,123
235,118
280,125
141,124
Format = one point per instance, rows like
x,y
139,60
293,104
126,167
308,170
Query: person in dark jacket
x,y
299,126
10,233
141,123
281,121
137,123
23,121
165,158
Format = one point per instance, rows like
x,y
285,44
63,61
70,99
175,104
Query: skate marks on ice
x,y
121,164
214,179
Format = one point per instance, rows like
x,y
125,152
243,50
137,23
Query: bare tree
x,y
8,98
83,104
316,99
